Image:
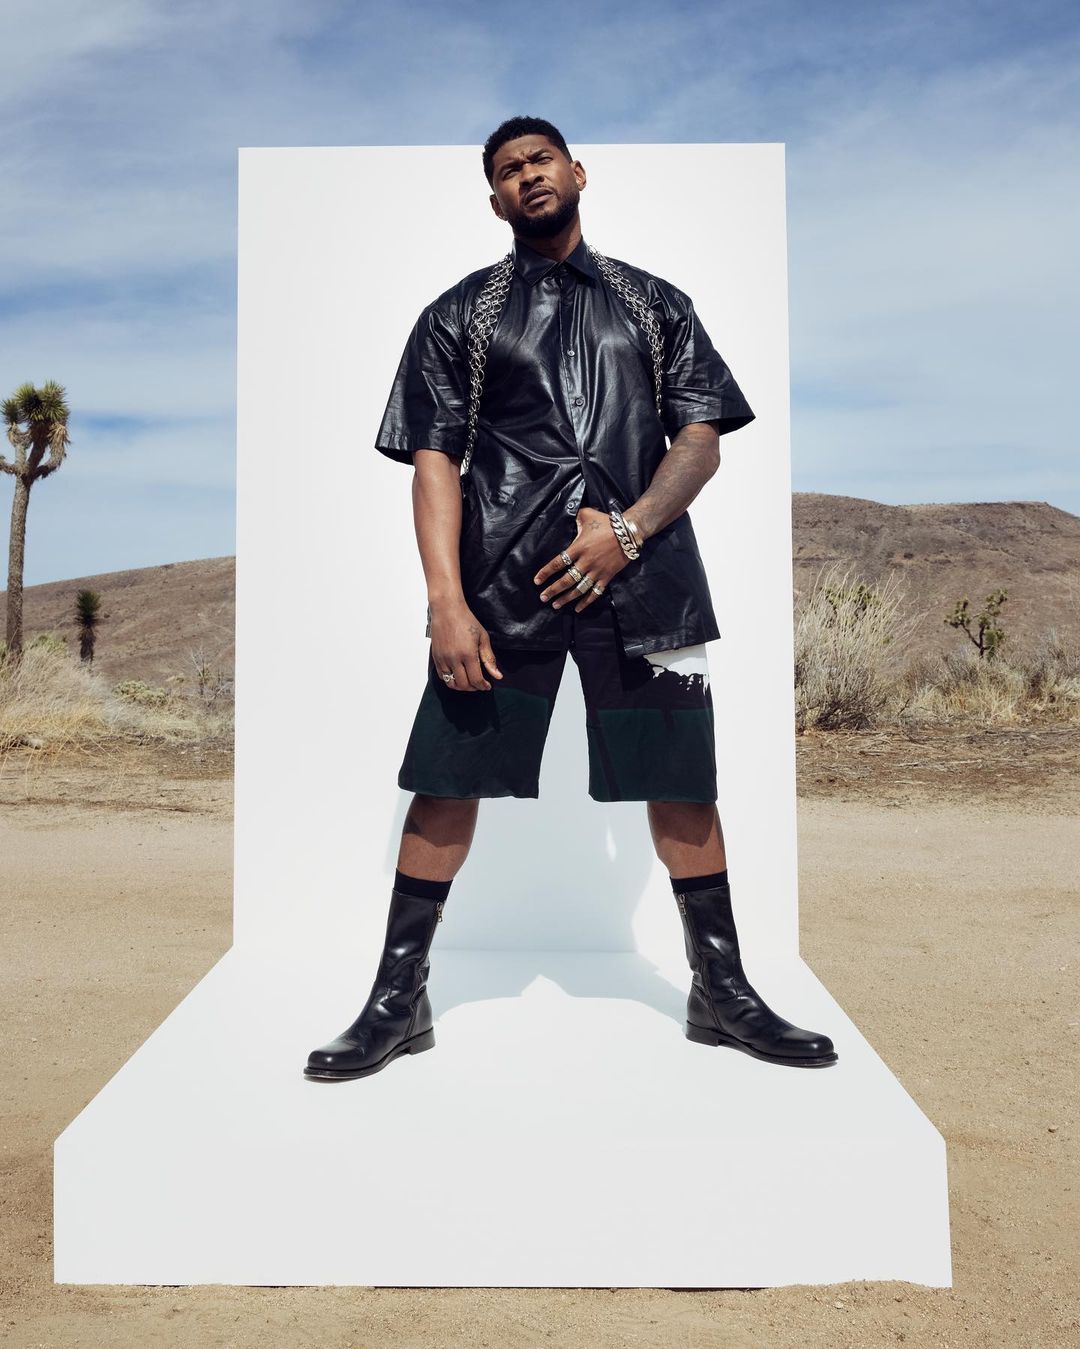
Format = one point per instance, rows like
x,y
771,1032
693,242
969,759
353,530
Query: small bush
x,y
844,633
138,691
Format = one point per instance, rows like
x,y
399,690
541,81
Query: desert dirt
x,y
939,904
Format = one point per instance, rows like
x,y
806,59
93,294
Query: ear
x,y
496,207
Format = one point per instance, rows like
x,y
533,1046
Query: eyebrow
x,y
513,163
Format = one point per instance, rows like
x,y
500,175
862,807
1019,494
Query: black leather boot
x,y
723,1009
397,1017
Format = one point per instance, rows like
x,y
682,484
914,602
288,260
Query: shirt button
x,y
578,402
570,351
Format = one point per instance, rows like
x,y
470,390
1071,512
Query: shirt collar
x,y
531,265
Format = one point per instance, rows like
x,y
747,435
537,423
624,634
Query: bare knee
x,y
683,810
440,814
447,805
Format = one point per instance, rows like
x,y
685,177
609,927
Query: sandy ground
x,y
939,905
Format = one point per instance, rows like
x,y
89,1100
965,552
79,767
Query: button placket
x,y
567,288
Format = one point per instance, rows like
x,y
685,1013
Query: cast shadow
x,y
548,883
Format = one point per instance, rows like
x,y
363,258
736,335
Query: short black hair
x,y
510,130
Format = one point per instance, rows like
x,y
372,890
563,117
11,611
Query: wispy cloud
x,y
933,201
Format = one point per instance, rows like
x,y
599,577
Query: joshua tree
x,y
989,634
87,615
36,426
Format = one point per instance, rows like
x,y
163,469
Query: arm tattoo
x,y
692,458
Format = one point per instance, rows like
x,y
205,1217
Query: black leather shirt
x,y
567,418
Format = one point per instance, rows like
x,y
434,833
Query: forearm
x,y
436,495
692,458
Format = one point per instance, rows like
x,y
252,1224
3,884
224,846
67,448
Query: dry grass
x,y
851,672
50,699
1011,690
846,639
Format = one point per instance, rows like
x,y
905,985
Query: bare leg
x,y
687,837
436,836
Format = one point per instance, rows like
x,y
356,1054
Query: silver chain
x,y
488,307
485,315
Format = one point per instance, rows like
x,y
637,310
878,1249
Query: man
x,y
534,400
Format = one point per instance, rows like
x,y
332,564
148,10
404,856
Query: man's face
x,y
535,187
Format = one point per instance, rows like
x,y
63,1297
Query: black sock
x,y
417,886
698,882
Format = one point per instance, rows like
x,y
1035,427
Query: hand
x,y
460,646
595,552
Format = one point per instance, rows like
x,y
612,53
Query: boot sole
x,y
416,1045
705,1035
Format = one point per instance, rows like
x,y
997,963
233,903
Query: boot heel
x,y
702,1034
422,1042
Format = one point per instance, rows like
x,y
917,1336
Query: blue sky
x,y
933,199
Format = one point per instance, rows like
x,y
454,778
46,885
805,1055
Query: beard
x,y
555,215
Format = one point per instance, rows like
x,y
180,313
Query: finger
x,y
586,600
557,563
488,657
579,601
569,592
460,682
475,675
557,586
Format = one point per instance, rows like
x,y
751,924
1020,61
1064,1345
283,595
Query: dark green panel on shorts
x,y
476,744
648,754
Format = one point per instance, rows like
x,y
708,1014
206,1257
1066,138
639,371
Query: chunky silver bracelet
x,y
622,530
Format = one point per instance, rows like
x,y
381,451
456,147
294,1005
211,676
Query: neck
x,y
560,245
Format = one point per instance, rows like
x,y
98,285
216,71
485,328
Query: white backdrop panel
x,y
340,249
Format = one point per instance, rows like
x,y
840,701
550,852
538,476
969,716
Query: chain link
x,y
488,307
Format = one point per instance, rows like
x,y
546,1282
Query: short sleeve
x,y
698,386
428,403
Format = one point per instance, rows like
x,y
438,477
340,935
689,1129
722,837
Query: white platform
x,y
562,1131
560,1105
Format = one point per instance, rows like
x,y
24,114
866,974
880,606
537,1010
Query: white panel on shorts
x,y
688,661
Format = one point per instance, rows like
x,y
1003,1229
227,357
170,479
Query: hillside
x,y
940,553
157,617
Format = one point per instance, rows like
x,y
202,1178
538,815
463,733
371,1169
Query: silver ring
x,y
448,677
598,589
573,571
566,558
585,584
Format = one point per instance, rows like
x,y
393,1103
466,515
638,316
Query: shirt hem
x,y
729,421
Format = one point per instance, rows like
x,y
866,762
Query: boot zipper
x,y
697,969
438,910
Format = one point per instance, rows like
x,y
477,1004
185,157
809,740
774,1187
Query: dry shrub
x,y
51,698
846,634
1011,689
854,670
1052,674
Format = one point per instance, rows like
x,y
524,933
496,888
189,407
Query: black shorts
x,y
648,719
